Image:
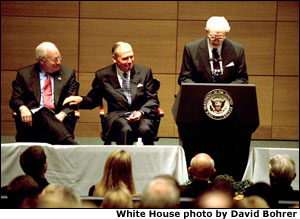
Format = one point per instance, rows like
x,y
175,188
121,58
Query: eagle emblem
x,y
218,104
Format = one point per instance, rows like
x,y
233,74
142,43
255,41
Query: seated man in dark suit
x,y
201,169
38,93
33,163
129,91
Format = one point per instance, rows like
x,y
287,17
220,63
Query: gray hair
x,y
216,23
116,46
41,49
160,193
282,167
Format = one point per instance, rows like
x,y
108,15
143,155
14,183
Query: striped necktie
x,y
126,87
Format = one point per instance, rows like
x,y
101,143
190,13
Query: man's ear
x,y
190,170
114,58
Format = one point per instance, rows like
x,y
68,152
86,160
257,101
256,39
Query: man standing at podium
x,y
214,59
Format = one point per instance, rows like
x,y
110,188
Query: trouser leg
x,y
122,131
145,130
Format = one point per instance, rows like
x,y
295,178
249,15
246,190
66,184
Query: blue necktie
x,y
126,87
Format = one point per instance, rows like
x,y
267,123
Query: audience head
x,y
260,189
61,193
117,170
33,162
223,184
202,167
22,189
161,192
216,29
117,198
48,56
252,201
122,55
281,169
212,198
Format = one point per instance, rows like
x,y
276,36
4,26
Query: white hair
x,y
282,167
41,49
216,23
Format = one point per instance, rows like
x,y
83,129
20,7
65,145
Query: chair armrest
x,y
101,111
13,114
77,113
160,112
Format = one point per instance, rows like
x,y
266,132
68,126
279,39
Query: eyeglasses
x,y
59,58
217,37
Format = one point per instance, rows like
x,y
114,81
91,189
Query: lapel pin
x,y
59,78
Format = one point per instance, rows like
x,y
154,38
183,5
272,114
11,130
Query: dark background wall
x,y
85,32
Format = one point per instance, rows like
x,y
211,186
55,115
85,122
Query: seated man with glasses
x,y
38,93
214,59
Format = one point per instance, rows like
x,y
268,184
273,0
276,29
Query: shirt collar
x,y
210,48
120,72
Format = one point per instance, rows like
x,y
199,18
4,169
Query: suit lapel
x,y
228,50
35,82
134,79
113,78
58,81
205,57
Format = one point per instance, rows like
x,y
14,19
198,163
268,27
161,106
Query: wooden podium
x,y
217,119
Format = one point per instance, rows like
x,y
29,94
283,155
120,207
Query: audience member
x,y
117,171
61,193
223,184
281,173
22,189
260,189
117,198
160,192
213,198
33,163
252,201
201,169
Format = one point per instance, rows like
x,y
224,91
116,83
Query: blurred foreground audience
x,y
161,192
252,201
117,198
22,192
213,198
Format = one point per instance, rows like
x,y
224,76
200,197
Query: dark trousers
x,y
125,132
45,128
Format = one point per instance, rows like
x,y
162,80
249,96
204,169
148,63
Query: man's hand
x,y
26,115
73,100
135,116
61,116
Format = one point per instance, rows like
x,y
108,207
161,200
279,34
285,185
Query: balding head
x,y
202,167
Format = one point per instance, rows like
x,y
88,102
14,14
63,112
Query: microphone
x,y
211,62
221,65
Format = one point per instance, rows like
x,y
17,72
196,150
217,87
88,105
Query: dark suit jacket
x,y
27,91
196,67
107,86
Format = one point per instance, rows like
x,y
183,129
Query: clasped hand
x,y
135,116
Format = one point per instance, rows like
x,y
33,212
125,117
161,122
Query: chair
x,y
19,124
159,114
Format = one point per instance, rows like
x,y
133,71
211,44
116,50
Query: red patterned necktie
x,y
48,100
